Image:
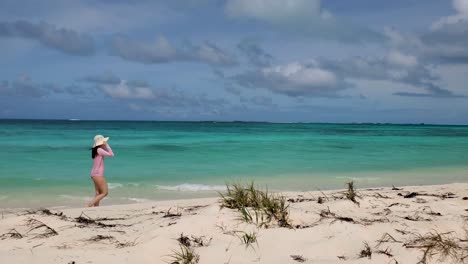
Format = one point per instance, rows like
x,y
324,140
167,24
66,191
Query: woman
x,y
98,153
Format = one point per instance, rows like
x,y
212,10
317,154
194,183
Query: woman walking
x,y
100,150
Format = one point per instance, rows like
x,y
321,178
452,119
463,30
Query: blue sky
x,y
403,61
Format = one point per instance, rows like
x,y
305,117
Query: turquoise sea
x,y
47,163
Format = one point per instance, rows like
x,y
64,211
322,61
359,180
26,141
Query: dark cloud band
x,y
62,39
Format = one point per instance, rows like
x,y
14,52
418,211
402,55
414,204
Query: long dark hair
x,y
94,151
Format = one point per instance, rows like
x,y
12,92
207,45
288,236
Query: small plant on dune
x,y
256,196
186,255
351,193
248,238
283,213
256,206
252,216
238,196
277,208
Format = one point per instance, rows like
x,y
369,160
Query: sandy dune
x,y
334,231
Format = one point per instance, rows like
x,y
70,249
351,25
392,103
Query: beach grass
x,y
185,255
248,238
255,205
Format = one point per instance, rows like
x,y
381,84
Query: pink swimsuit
x,y
98,163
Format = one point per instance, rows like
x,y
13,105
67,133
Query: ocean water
x,y
47,163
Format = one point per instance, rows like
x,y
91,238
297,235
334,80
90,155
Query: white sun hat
x,y
99,140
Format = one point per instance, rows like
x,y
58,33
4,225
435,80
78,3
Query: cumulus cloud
x,y
398,58
394,67
159,51
123,90
327,77
461,15
293,79
141,96
62,39
445,43
300,17
162,51
274,11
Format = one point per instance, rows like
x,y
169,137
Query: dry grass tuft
x,y
328,214
386,252
98,238
126,244
445,245
387,238
168,214
351,193
366,252
298,258
11,234
85,220
36,225
200,241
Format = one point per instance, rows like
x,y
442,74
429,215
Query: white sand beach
x,y
336,230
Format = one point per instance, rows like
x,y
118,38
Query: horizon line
x,y
225,121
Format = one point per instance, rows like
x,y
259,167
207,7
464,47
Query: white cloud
x,y
445,45
461,9
111,17
293,79
162,51
461,6
398,39
153,52
124,91
303,17
397,58
274,11
299,75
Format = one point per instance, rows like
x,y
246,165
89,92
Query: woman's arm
x,y
107,153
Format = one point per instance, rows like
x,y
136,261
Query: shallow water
x,y
48,162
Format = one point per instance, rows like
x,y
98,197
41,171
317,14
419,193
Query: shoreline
x,y
121,192
178,195
321,233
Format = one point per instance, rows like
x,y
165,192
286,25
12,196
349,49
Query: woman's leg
x,y
100,184
97,193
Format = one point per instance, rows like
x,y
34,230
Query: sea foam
x,y
139,200
113,185
189,187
